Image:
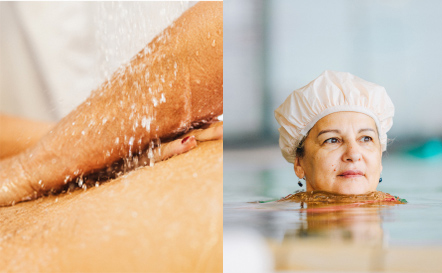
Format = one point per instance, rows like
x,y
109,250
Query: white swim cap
x,y
331,92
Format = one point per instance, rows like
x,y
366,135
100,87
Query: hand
x,y
211,131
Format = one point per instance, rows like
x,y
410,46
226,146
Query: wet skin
x,y
19,134
173,84
168,218
342,155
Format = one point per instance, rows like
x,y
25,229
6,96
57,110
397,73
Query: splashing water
x,y
123,29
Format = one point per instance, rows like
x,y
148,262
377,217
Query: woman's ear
x,y
298,168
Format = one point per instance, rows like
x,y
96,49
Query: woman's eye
x,y
366,139
332,140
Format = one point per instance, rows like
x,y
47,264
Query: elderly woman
x,y
334,131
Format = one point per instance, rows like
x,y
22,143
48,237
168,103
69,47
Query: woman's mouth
x,y
351,174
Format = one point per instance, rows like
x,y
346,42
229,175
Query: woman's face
x,y
342,154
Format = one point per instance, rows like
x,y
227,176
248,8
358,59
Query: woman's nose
x,y
352,153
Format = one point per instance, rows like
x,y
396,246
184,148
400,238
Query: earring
x,y
299,182
380,180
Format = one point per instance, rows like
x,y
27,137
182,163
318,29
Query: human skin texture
x,y
174,83
168,218
342,155
19,134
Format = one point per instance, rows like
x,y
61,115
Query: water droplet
x,y
214,43
208,35
104,121
131,141
80,181
117,140
5,189
67,179
150,155
83,133
197,53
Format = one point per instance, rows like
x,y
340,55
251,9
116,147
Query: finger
x,y
173,148
212,133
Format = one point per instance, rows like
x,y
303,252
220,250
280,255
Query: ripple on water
x,y
328,197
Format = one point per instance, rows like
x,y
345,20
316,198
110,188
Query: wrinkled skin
x,y
173,84
339,143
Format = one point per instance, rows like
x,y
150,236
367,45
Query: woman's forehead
x,y
345,121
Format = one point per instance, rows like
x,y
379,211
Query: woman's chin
x,y
345,186
352,185
352,188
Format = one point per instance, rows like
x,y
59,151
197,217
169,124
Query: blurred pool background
x,y
274,47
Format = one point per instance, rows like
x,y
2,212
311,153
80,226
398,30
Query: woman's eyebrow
x,y
366,129
328,131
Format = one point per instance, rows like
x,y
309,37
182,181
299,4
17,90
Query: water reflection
x,y
339,223
357,222
300,233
